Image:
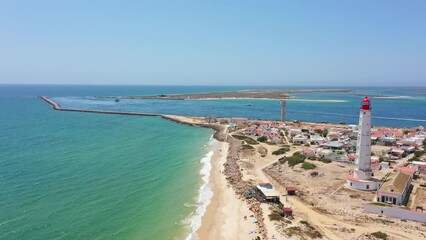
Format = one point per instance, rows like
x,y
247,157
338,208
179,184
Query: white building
x,y
395,189
300,139
419,166
316,140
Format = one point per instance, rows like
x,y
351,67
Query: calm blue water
x,y
408,111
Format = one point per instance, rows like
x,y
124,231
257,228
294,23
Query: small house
x,y
395,189
268,194
291,190
288,212
299,139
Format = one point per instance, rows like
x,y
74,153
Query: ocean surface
x,y
92,176
67,175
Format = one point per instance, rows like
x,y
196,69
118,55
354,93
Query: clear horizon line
x,y
210,85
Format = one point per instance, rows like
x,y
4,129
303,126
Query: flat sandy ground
x,y
332,208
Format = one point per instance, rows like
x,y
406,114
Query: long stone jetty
x,y
56,106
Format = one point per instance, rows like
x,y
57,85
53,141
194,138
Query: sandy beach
x,y
224,217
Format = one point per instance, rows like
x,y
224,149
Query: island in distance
x,y
243,94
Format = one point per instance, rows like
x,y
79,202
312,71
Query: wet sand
x,y
224,217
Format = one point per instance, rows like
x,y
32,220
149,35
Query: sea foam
x,y
205,195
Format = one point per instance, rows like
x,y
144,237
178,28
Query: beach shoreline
x,y
226,217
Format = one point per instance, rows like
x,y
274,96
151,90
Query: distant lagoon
x,y
404,107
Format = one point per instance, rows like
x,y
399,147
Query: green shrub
x,y
380,235
325,160
262,139
325,133
295,159
274,216
295,230
419,153
248,140
280,151
304,223
308,166
247,147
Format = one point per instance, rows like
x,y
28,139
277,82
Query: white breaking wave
x,y
205,195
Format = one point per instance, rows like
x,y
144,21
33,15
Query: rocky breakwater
x,y
234,177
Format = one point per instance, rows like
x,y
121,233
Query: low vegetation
x,y
275,216
247,147
419,153
291,231
248,140
262,139
295,159
311,231
307,166
324,160
380,235
379,204
281,151
354,196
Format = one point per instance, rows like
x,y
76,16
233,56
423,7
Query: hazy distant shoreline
x,y
243,94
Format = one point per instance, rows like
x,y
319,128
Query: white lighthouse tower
x,y
362,177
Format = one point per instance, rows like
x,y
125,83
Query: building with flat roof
x,y
268,194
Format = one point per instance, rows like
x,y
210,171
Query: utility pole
x,y
282,110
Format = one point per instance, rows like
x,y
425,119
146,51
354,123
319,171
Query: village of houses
x,y
312,161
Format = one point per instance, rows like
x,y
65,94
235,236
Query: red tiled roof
x,y
352,178
407,169
291,188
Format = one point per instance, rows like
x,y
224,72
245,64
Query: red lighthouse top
x,y
365,104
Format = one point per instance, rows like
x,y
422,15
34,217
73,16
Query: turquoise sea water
x,y
67,175
92,176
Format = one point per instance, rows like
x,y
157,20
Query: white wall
x,y
396,212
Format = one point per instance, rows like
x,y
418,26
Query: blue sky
x,y
312,43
